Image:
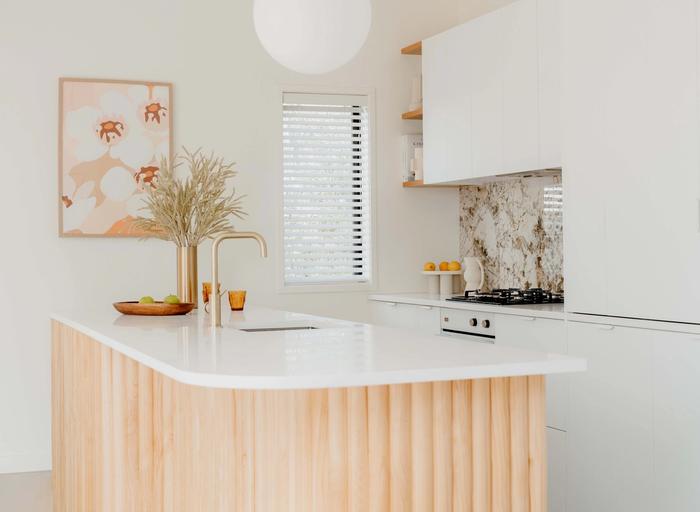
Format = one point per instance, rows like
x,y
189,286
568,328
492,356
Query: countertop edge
x,y
209,380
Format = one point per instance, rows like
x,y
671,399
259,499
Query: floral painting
x,y
113,135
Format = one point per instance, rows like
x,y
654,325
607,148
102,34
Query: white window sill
x,y
327,288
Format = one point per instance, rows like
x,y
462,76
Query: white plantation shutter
x,y
326,202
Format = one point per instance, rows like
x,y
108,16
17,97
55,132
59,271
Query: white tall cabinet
x,y
491,102
631,158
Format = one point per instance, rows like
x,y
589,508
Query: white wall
x,y
468,9
225,98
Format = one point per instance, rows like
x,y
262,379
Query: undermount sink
x,y
273,329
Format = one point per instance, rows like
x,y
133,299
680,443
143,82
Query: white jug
x,y
473,273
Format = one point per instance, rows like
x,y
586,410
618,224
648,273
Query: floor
x,y
25,492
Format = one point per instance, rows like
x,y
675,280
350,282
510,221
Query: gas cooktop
x,y
511,297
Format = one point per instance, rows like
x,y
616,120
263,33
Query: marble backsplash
x,y
515,228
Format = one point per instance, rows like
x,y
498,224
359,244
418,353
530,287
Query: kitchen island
x,y
280,411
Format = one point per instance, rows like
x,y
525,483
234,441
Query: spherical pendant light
x,y
312,36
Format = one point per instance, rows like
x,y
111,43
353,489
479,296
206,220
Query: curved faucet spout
x,y
215,298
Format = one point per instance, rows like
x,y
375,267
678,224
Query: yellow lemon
x,y
444,265
429,267
454,265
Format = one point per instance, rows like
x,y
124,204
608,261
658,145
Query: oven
x,y
467,325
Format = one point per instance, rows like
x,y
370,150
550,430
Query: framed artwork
x,y
112,137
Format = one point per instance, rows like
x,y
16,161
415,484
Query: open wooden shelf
x,y
420,184
413,114
413,49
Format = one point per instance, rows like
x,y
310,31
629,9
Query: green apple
x,y
171,299
146,300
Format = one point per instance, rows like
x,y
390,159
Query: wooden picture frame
x,y
111,136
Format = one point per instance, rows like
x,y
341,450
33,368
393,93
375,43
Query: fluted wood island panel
x,y
127,438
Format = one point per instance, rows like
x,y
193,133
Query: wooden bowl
x,y
154,309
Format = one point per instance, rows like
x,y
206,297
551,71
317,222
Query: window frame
x,y
370,284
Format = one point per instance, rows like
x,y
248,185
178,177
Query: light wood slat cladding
x,y
127,439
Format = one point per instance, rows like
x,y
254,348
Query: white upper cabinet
x,y
485,84
520,88
491,95
549,82
436,99
446,96
631,158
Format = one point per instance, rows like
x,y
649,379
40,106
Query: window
x,y
326,192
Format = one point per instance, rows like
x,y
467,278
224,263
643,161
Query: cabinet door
x,y
486,87
652,209
609,437
631,160
406,316
520,87
556,470
427,319
549,82
591,128
676,422
459,126
446,103
436,107
390,314
542,335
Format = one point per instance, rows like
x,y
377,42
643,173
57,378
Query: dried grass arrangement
x,y
189,210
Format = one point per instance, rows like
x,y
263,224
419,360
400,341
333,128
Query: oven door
x,y
468,336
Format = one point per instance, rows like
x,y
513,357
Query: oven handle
x,y
483,338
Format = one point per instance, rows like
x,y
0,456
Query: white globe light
x,y
312,36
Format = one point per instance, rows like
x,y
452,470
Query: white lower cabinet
x,y
676,399
556,470
545,335
408,316
541,335
610,445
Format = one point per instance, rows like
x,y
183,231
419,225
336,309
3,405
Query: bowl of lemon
x,y
148,306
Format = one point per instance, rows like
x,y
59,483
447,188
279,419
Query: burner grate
x,y
511,296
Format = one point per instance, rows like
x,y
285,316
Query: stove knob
x,y
485,324
473,322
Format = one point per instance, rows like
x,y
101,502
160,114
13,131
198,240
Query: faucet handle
x,y
206,304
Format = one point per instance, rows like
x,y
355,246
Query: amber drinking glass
x,y
236,298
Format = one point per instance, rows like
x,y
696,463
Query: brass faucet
x,y
215,298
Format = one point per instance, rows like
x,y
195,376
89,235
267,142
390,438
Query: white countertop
x,y
554,311
336,354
